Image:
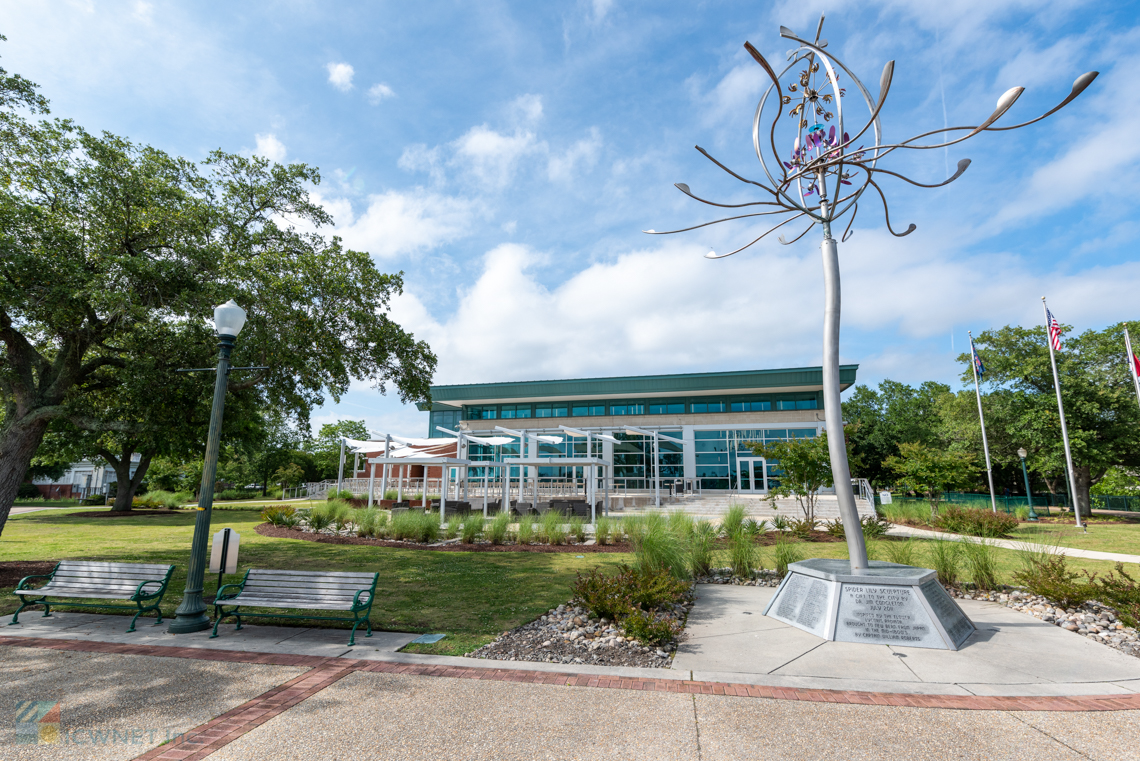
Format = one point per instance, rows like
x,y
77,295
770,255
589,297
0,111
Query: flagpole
x,y
982,419
1132,363
1064,428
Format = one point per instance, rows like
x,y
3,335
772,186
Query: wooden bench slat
x,y
288,604
98,565
53,586
111,576
101,594
254,572
260,584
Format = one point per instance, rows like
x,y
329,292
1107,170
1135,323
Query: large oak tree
x,y
110,251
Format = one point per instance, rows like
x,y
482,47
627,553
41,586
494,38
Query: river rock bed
x,y
570,634
1092,620
761,578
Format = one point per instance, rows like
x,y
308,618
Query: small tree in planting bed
x,y
805,467
930,471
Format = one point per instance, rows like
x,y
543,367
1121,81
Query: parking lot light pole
x,y
191,616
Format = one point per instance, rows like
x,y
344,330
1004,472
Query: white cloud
x,y
144,11
525,110
270,147
490,157
379,92
583,154
510,227
599,9
395,223
340,75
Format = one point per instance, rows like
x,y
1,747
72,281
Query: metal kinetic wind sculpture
x,y
820,177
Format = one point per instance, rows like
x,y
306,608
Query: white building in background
x,y
82,479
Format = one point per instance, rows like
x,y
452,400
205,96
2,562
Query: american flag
x,y
977,360
1136,365
1054,330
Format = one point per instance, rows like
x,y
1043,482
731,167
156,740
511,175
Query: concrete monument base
x,y
886,604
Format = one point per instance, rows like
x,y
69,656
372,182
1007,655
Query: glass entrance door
x,y
752,474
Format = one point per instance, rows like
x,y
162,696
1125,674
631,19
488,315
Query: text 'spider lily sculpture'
x,y
820,175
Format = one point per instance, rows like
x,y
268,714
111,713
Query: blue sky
x,y
506,156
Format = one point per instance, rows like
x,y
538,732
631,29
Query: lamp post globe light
x,y
1025,474
818,175
229,319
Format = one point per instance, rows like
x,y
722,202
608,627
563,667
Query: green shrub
x,y
659,549
646,627
284,516
981,564
902,552
1021,513
428,526
553,528
230,495
499,527
146,502
472,528
1120,591
391,494
405,525
1050,577
975,521
340,513
781,523
603,530
344,494
701,548
946,560
742,555
28,490
319,518
835,528
162,499
453,526
526,529
578,529
733,521
604,596
802,527
784,554
899,511
874,526
755,528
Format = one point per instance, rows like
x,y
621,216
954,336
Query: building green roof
x,y
632,386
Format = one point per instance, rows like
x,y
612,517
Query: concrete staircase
x,y
713,506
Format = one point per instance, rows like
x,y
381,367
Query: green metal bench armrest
x,y
29,578
140,595
357,604
223,595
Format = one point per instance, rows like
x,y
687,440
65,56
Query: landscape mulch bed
x,y
11,571
279,532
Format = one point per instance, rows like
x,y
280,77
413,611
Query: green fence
x,y
1042,503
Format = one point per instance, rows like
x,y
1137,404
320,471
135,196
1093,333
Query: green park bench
x,y
144,584
299,590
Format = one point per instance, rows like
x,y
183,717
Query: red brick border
x,y
325,671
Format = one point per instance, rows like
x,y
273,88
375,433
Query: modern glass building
x,y
715,415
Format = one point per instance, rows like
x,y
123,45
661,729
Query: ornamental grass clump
x,y
946,560
499,527
366,521
784,553
472,528
981,563
526,529
552,529
280,516
603,529
742,555
453,527
340,513
659,549
405,526
578,529
902,552
733,521
681,524
701,546
319,518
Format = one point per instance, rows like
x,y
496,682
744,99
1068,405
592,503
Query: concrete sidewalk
x,y
1012,544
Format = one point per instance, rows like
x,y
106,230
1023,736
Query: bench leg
x,y
24,603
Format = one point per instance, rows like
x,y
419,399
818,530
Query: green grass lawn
x,y
1116,536
471,597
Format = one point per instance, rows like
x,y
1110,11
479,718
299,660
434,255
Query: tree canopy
x,y
111,249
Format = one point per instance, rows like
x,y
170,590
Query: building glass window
x,y
550,410
588,410
515,411
708,407
446,418
751,406
785,404
805,404
481,413
627,409
667,408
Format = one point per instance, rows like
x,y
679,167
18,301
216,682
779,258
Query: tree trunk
x,y
127,485
18,445
935,497
1082,475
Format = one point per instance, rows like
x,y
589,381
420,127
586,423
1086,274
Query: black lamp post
x,y
191,616
1028,494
